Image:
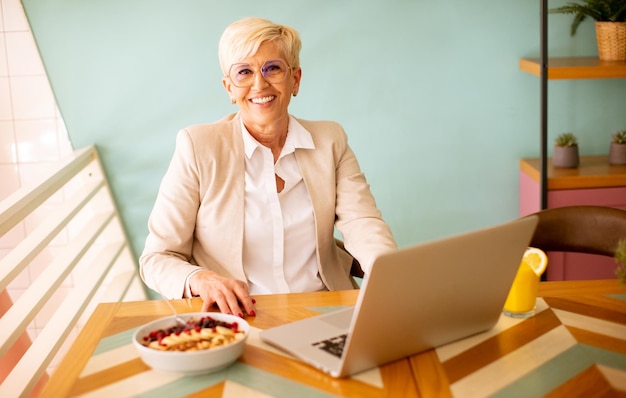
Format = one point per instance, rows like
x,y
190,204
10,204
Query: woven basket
x,y
611,38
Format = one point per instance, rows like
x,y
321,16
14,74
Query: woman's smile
x,y
263,100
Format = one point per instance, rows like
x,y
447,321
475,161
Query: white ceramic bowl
x,y
190,362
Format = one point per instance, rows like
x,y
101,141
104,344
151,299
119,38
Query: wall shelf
x,y
593,183
593,172
575,68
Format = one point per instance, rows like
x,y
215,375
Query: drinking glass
x,y
522,297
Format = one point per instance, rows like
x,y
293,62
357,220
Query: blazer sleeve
x,y
365,233
166,259
341,199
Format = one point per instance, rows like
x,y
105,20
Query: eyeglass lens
x,y
274,71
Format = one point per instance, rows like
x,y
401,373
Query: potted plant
x,y
620,259
565,153
610,17
617,151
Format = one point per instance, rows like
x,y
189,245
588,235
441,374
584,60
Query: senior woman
x,y
249,203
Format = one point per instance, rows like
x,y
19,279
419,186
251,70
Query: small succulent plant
x,y
620,259
620,137
566,139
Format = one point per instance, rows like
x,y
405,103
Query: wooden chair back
x,y
355,270
580,229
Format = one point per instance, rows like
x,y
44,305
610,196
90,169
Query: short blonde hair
x,y
243,38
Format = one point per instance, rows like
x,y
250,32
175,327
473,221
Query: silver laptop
x,y
414,299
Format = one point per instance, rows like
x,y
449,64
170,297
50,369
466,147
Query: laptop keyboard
x,y
333,346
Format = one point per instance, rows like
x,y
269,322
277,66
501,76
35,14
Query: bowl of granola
x,y
208,342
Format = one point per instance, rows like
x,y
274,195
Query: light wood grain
x,y
429,375
575,68
593,172
80,352
419,375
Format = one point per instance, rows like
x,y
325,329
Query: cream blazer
x,y
197,219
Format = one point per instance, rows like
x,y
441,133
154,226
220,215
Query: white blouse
x,y
279,245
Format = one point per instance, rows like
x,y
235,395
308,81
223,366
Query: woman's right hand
x,y
229,295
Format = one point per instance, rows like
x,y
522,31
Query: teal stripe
x,y
618,296
186,385
247,376
114,341
270,384
548,376
605,357
560,369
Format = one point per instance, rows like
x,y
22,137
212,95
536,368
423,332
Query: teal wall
x,y
429,92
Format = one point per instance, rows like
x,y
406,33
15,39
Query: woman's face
x,y
264,103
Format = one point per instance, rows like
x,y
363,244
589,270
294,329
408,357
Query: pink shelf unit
x,y
594,182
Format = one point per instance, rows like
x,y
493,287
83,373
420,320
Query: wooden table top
x,y
574,345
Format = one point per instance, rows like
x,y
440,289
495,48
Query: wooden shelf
x,y
593,172
575,68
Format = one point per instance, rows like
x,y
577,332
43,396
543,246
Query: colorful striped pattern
x,y
115,354
561,351
545,355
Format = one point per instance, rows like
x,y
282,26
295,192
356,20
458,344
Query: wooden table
x,y
574,346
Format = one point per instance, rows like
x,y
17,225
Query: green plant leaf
x,y
598,10
620,259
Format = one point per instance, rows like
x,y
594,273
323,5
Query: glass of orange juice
x,y
520,302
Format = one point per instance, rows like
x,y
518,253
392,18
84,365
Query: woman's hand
x,y
228,294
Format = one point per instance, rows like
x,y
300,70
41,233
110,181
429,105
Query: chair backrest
x,y
580,229
355,270
82,241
